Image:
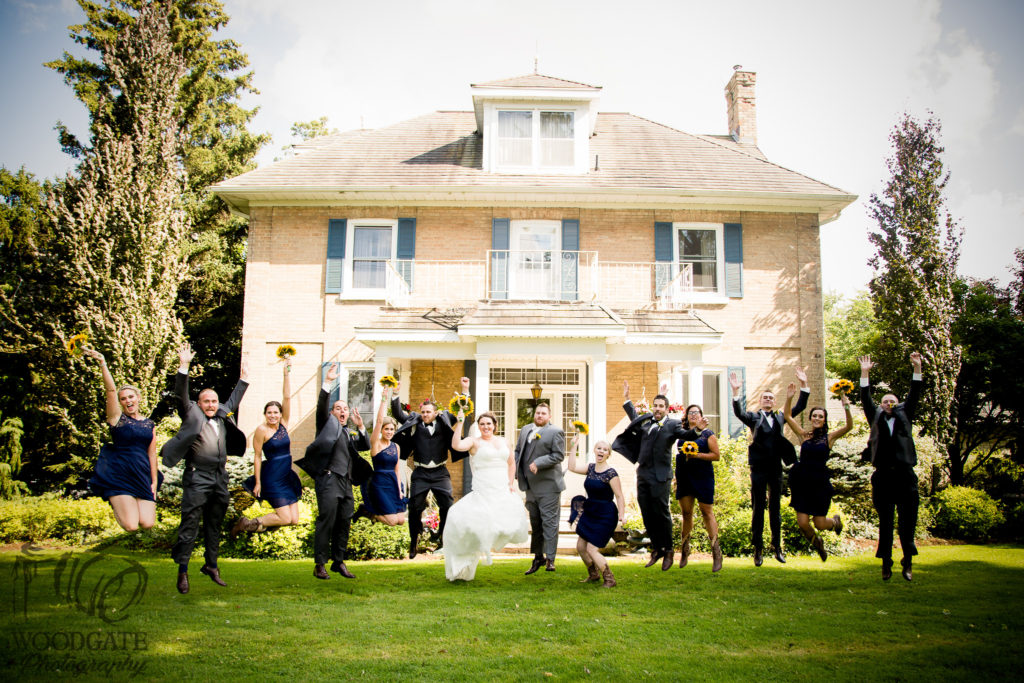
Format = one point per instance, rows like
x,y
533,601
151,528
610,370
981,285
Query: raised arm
x,y
910,405
788,414
185,356
571,456
458,443
865,388
834,435
801,402
323,408
627,405
113,406
743,416
379,420
396,407
286,391
231,406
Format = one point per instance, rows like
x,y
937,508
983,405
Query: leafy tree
x,y
115,259
216,144
11,431
917,244
304,131
850,331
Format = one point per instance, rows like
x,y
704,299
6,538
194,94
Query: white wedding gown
x,y
487,518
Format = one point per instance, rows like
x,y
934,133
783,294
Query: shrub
x,y
51,517
1014,514
374,541
734,533
965,513
281,543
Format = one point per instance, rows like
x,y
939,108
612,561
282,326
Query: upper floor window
x,y
373,247
536,139
699,246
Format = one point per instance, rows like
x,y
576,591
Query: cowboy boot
x,y
684,553
592,574
609,578
716,556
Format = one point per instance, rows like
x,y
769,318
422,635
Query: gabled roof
x,y
437,157
535,81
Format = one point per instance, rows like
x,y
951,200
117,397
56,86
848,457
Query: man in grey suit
x,y
539,454
208,435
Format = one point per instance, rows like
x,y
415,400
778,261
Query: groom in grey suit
x,y
539,454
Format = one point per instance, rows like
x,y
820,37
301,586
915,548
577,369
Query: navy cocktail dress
x,y
597,513
809,485
279,485
123,468
381,494
695,476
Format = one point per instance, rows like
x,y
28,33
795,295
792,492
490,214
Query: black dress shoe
x,y
534,566
779,556
183,582
339,567
213,573
412,549
758,557
908,573
321,573
655,556
549,565
886,570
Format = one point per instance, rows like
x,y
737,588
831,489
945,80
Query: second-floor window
x,y
536,139
371,251
699,246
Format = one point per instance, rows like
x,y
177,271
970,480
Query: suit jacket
x,y
193,420
902,441
770,447
331,435
651,449
411,422
546,451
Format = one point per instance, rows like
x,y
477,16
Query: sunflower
x,y
460,401
388,381
285,351
690,448
581,427
76,344
843,386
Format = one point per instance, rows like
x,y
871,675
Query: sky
x,y
833,80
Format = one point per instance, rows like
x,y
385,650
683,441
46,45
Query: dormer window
x,y
536,139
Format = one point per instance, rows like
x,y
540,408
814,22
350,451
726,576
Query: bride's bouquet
x,y
460,402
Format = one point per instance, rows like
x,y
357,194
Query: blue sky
x,y
833,79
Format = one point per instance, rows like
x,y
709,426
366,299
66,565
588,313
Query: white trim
x,y
348,292
705,297
581,136
546,331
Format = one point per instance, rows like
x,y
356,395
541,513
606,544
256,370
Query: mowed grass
x,y
963,616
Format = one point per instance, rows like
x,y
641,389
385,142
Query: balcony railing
x,y
539,276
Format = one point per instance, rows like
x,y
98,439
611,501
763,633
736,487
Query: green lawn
x,y
963,616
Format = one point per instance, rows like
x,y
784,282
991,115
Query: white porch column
x,y
482,397
696,393
675,387
380,368
597,404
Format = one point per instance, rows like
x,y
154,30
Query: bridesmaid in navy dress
x,y
382,496
695,481
126,470
273,480
599,513
810,488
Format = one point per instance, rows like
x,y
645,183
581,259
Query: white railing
x,y
540,276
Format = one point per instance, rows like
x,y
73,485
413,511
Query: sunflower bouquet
x,y
843,386
285,351
689,448
76,344
388,381
460,401
580,426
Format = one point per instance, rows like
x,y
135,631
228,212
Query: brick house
x,y
534,243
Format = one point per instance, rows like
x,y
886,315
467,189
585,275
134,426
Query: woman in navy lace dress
x,y
274,480
126,471
599,513
382,495
695,482
809,485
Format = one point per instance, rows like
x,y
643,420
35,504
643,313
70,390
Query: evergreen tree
x,y
917,244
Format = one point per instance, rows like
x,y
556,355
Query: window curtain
x,y
370,253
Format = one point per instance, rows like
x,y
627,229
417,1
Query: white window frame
x,y
344,374
717,296
724,407
581,128
516,229
348,290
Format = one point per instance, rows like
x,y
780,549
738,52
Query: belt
x,y
429,466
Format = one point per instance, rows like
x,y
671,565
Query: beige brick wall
x,y
776,325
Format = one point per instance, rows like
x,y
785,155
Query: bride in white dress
x,y
490,516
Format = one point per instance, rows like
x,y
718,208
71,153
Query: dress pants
x,y
653,499
425,480
766,487
894,492
334,518
544,510
204,496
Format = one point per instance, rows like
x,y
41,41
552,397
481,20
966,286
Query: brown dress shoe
x,y
339,567
592,574
716,556
213,573
534,566
321,573
549,565
667,558
609,578
183,582
655,556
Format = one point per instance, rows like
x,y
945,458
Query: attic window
x,y
536,139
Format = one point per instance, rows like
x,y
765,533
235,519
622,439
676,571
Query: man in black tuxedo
x,y
207,435
766,453
649,442
333,461
891,450
426,438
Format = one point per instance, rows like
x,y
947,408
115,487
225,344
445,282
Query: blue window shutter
x,y
735,426
336,391
500,240
406,251
734,259
570,259
336,228
663,269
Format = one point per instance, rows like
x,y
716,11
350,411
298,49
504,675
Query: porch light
x,y
536,391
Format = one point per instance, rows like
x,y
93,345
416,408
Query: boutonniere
x,y
536,435
353,432
231,414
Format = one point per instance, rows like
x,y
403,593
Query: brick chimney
x,y
739,98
